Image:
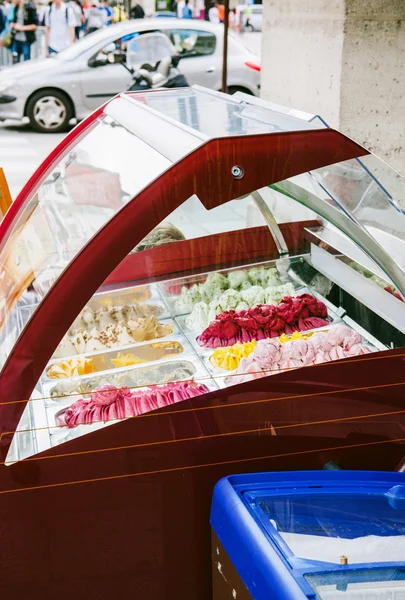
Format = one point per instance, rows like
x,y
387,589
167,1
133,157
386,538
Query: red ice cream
x,y
109,402
265,321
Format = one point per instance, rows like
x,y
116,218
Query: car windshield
x,y
93,39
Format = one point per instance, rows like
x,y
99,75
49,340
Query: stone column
x,y
344,60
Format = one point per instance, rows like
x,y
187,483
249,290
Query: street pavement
x,y
22,150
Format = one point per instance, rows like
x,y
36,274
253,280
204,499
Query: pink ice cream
x,y
249,370
108,402
270,356
267,352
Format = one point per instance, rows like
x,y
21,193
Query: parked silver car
x,y
56,91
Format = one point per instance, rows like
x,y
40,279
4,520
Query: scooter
x,y
160,70
164,74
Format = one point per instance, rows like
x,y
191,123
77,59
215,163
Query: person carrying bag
x,y
23,29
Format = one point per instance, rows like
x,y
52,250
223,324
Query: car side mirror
x,y
116,57
99,60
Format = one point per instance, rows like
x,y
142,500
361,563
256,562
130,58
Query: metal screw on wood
x,y
237,172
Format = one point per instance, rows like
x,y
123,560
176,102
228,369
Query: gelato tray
x,y
109,404
120,335
123,296
203,313
120,306
114,359
67,390
273,356
256,283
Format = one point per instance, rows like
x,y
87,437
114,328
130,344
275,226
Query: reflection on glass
x,y
324,527
373,584
218,116
84,191
354,188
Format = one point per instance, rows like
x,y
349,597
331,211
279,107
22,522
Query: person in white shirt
x,y
213,14
180,5
60,27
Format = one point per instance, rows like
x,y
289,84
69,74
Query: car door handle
x,y
211,69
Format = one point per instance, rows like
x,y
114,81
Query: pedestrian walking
x,y
107,13
248,16
119,13
3,18
95,19
60,27
232,19
23,27
6,35
213,15
180,5
137,12
78,12
221,12
187,12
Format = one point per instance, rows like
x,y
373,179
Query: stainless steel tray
x,y
181,319
171,322
59,435
143,375
102,360
171,289
124,295
120,298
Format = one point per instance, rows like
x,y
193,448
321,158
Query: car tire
x,y
49,111
232,89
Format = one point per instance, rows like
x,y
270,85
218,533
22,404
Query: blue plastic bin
x,y
324,535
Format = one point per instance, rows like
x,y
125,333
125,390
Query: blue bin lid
x,y
301,524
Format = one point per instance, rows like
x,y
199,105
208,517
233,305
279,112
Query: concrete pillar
x,y
344,60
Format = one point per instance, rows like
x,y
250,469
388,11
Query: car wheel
x,y
236,88
49,111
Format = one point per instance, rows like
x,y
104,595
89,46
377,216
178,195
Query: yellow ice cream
x,y
297,335
126,360
229,358
70,368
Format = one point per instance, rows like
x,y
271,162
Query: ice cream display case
x,y
319,535
191,284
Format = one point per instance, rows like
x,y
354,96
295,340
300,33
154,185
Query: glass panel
x,y
146,48
375,584
88,186
352,230
215,115
376,206
150,325
189,42
86,44
327,526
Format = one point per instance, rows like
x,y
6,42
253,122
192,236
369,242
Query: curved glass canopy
x,y
150,199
